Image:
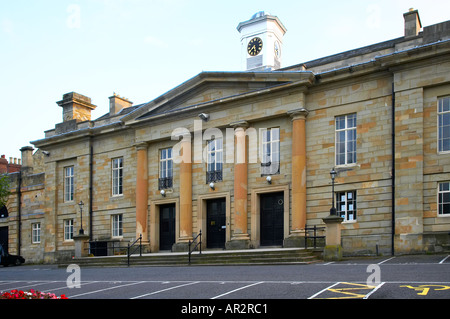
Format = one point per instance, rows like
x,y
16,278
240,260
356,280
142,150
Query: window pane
x,y
275,134
445,145
444,104
351,121
340,122
169,168
445,209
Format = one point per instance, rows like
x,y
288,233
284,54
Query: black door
x,y
166,226
4,237
215,223
272,219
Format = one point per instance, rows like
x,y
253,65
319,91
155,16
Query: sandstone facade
x,y
391,89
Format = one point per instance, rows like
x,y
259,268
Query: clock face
x,y
254,47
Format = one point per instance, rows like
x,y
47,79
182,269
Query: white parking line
x,y
381,262
375,289
34,283
100,290
156,292
325,289
442,261
10,282
227,293
65,286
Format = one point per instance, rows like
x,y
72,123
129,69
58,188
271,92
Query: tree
x,y
4,189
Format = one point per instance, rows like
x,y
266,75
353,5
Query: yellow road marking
x,y
424,289
349,292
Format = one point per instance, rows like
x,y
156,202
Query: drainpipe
x,y
19,212
393,170
91,178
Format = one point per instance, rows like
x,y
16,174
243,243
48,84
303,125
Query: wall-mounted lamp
x,y
204,117
81,205
163,193
46,153
333,175
211,185
269,179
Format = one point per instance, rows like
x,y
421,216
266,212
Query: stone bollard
x,y
333,248
80,244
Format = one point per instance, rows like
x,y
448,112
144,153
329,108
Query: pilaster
x,y
240,237
298,175
185,195
142,192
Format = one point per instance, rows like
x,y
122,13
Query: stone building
x,y
11,166
245,156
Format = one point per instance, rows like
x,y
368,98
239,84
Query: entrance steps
x,y
267,256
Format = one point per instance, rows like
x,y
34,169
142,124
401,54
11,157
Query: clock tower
x,y
261,42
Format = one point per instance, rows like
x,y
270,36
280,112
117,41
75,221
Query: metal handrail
x,y
199,244
315,229
130,246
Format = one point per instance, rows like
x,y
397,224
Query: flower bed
x,y
31,294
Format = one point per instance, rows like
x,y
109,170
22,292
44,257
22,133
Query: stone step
x,y
247,257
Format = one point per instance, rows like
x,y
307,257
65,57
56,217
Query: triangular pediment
x,y
209,87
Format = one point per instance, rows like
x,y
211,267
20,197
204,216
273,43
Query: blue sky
x,y
140,49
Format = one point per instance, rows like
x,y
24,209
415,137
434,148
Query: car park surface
x,y
402,277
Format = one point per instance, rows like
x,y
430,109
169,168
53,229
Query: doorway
x,y
215,223
166,226
4,237
272,219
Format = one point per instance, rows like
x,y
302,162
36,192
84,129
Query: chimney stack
x,y
76,107
118,103
27,159
3,165
412,23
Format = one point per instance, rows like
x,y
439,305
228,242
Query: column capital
x,y
300,113
239,124
141,146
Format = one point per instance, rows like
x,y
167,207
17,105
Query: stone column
x,y
298,177
185,196
240,238
142,192
81,245
333,248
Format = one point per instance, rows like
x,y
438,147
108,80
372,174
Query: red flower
x,y
32,294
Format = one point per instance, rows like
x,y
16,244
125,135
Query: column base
x,y
294,241
238,243
145,247
332,253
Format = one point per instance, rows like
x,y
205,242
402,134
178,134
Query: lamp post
x,y
81,204
333,175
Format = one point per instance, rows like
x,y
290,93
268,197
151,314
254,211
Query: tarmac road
x,y
401,277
